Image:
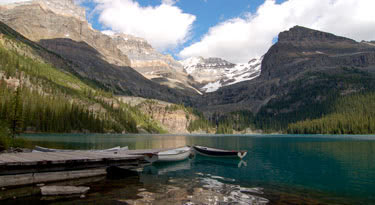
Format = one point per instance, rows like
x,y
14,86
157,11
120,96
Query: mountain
x,y
214,73
61,26
40,97
56,99
163,69
302,74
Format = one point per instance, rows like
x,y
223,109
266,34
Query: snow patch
x,y
218,73
108,33
211,87
191,63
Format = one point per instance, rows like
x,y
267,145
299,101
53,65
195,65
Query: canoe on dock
x,y
44,149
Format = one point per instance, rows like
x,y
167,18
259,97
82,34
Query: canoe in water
x,y
213,152
174,155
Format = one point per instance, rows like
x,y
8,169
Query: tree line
x,y
351,115
28,110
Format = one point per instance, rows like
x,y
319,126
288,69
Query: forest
x,y
353,114
37,97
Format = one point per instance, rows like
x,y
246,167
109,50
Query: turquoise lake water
x,y
282,169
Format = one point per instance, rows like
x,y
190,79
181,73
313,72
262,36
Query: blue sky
x,y
236,30
208,14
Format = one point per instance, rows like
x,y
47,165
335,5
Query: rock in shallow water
x,y
63,190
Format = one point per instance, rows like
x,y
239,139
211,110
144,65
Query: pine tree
x,y
15,117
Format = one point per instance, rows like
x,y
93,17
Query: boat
x,y
174,155
44,149
213,152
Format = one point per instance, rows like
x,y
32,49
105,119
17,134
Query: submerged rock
x,y
63,190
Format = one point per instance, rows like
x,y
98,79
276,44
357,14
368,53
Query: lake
x,y
279,169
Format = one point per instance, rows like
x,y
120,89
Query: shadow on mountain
x,y
123,80
86,63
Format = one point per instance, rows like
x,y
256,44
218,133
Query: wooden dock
x,y
40,167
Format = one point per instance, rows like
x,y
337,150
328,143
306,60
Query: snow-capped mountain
x,y
214,73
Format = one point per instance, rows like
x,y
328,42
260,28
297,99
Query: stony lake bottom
x,y
279,169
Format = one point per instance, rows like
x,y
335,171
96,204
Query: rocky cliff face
x,y
310,49
214,73
55,19
60,26
171,117
296,70
163,69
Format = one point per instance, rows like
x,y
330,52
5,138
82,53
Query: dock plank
x,y
12,159
66,156
43,157
85,155
28,168
44,161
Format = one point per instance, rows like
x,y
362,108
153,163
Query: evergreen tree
x,y
15,116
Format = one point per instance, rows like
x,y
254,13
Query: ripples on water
x,y
194,188
181,184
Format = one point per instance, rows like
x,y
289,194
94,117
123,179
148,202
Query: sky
x,y
235,30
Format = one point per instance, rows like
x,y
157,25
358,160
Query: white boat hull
x,y
174,155
174,158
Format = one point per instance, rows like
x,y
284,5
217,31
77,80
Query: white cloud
x,y
12,1
242,38
165,26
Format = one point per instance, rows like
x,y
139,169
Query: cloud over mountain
x,y
165,26
241,38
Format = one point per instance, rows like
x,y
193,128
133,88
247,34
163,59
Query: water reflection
x,y
196,187
223,162
163,168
